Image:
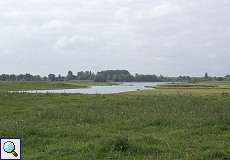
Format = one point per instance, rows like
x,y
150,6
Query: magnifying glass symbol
x,y
9,147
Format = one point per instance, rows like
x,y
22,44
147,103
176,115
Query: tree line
x,y
107,75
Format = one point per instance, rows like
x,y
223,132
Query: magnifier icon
x,y
9,147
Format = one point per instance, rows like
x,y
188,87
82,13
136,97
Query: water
x,y
123,87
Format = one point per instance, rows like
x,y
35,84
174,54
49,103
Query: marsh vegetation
x,y
155,124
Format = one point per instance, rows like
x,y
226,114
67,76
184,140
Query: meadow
x,y
33,85
178,122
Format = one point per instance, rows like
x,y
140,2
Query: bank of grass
x,y
206,88
196,85
31,85
143,125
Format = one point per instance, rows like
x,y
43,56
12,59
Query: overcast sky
x,y
169,37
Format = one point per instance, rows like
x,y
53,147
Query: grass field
x,y
30,85
176,122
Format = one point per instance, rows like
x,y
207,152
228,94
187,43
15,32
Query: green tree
x,y
70,76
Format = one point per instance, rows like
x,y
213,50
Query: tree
x,y
36,78
12,77
51,77
70,75
114,75
87,75
227,77
60,78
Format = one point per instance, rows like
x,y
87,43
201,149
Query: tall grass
x,y
120,126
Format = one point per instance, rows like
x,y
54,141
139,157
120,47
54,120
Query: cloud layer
x,y
170,37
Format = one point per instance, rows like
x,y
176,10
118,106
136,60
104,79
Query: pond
x,y
122,87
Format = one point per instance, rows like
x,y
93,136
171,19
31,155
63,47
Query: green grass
x,y
152,124
214,88
197,85
28,85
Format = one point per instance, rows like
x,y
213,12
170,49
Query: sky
x,y
168,37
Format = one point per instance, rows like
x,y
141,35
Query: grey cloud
x,y
170,37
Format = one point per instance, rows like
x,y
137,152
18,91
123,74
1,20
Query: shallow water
x,y
123,87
